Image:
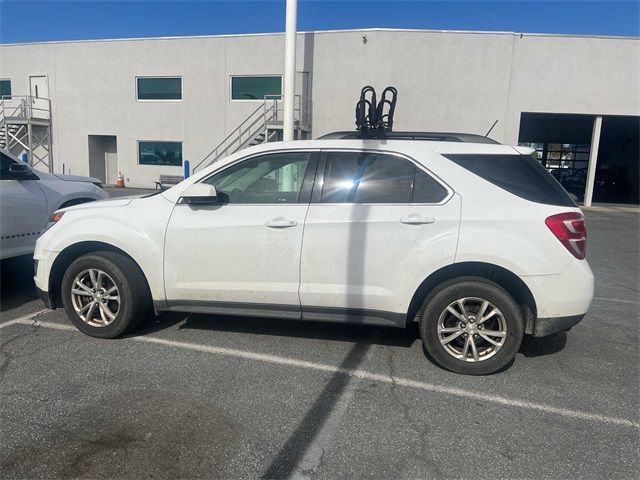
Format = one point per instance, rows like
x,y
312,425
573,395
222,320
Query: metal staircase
x,y
25,127
264,124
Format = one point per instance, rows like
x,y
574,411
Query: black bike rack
x,y
373,119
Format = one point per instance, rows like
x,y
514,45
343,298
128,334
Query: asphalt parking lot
x,y
220,397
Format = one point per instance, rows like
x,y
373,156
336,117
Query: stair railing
x,y
258,122
25,107
241,136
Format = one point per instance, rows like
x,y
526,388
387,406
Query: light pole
x,y
289,69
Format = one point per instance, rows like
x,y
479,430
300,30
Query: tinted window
x,y
168,88
160,153
5,162
521,175
5,88
256,88
426,189
367,177
274,178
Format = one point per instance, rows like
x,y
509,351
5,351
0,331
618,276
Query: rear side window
x,y
426,189
369,177
521,175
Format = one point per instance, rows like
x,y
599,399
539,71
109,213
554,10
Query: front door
x,y
377,226
243,255
39,91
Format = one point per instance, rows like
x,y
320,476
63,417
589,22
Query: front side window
x,y
5,88
256,87
160,153
370,177
157,88
272,178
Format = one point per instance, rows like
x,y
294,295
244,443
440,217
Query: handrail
x,y
237,129
23,106
244,133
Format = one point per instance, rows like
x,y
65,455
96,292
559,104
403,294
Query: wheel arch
x,y
69,255
500,275
75,201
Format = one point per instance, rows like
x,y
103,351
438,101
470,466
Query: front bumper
x,y
46,298
543,327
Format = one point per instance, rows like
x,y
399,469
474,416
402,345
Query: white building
x,y
142,106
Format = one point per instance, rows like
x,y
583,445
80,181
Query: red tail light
x,y
571,230
56,217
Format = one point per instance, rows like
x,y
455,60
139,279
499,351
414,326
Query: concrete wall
x,y
459,81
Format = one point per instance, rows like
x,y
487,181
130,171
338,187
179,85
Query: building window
x,y
157,88
256,87
561,157
5,88
160,153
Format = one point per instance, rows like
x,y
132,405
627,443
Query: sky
x,y
32,21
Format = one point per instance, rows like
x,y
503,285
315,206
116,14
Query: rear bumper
x,y
567,294
544,327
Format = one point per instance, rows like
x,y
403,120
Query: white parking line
x,y
361,374
26,319
617,300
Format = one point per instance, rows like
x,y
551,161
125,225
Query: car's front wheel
x,y
471,326
105,294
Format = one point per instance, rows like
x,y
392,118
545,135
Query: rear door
x,y
23,211
377,226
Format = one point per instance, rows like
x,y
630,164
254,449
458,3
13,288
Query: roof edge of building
x,y
346,30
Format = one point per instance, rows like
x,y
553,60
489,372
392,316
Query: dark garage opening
x,y
563,144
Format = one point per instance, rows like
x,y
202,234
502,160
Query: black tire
x,y
449,292
135,299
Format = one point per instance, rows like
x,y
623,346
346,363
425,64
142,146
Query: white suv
x,y
474,240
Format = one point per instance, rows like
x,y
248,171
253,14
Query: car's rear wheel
x,y
105,294
471,326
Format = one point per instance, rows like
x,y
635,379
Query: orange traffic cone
x,y
120,181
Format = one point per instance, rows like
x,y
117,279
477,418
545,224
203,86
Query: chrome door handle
x,y
415,219
281,223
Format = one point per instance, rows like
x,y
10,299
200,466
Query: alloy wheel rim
x,y
472,329
95,297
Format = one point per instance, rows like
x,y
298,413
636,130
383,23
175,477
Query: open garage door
x,y
563,144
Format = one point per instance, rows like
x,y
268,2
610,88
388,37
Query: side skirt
x,y
292,312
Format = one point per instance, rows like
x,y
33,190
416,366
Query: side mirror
x,y
19,170
200,194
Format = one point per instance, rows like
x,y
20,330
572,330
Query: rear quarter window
x,y
521,175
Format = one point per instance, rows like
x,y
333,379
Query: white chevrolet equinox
x,y
474,240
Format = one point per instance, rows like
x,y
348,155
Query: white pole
x,y
593,160
290,69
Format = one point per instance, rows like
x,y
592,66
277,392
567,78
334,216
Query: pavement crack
x,y
8,357
415,423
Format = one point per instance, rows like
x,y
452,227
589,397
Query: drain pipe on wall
x,y
289,69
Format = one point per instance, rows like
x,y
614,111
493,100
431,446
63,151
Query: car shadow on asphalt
x,y
540,346
348,333
16,282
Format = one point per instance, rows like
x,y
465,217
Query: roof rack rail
x,y
426,136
